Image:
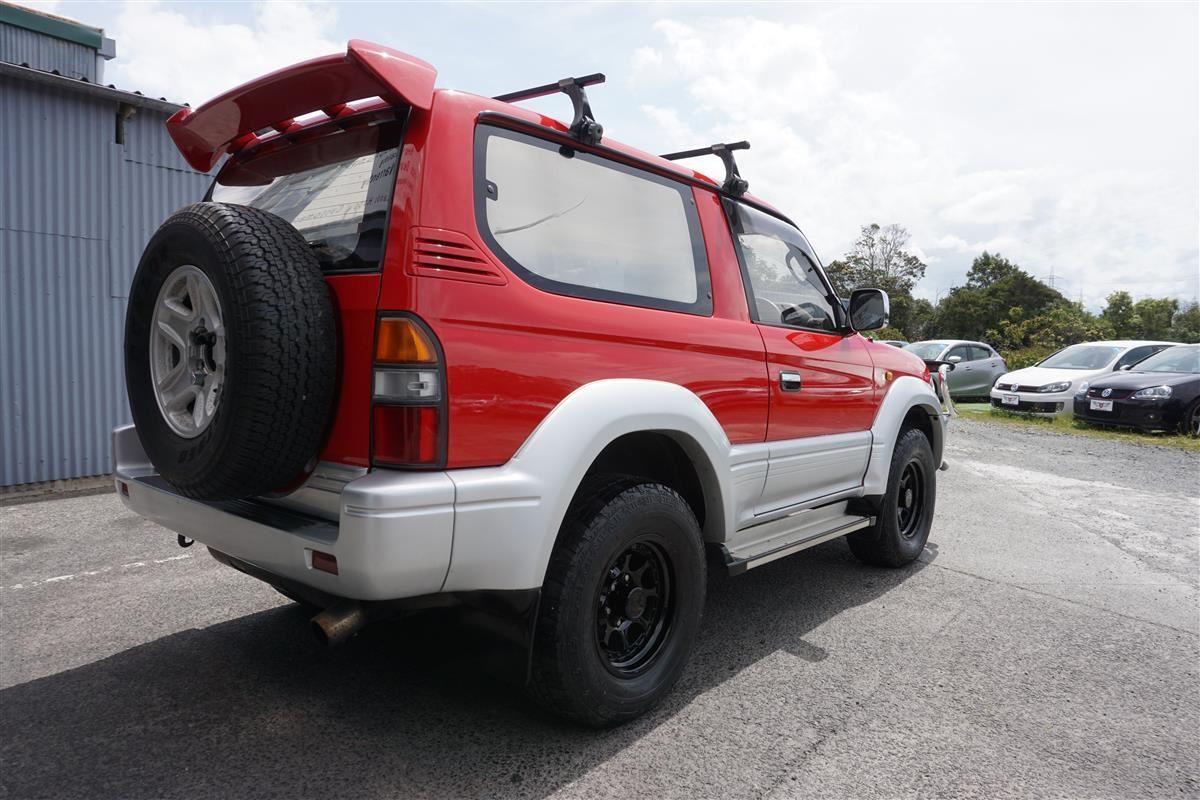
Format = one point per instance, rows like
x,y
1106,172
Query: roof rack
x,y
734,183
583,126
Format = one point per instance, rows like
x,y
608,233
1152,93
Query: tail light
x,y
408,414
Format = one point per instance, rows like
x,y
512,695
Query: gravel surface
x,y
1046,645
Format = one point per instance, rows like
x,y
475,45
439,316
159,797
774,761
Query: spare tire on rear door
x,y
230,352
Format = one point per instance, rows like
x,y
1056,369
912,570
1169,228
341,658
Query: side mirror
x,y
868,309
954,359
1125,367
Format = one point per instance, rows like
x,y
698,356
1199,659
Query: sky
x,y
1064,136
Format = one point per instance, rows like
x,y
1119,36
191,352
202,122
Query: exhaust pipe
x,y
339,622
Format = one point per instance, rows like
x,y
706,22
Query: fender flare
x,y
904,394
507,518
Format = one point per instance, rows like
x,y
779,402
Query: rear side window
x,y
571,223
336,190
979,353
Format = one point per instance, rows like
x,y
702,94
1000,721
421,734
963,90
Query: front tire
x,y
621,603
905,512
1191,420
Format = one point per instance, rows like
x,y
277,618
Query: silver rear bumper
x,y
390,531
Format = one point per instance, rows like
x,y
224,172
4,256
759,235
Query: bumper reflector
x,y
325,562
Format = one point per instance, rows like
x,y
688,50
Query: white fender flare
x,y
904,394
507,518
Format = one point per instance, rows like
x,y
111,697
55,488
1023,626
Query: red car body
x,y
512,351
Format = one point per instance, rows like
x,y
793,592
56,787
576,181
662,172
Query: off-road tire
x,y
280,348
884,544
570,675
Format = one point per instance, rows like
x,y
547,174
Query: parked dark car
x,y
1160,393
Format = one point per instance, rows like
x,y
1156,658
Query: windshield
x,y
926,350
335,190
1082,356
1173,359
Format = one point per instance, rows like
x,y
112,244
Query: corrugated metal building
x,y
87,172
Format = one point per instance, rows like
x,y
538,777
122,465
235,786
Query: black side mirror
x,y
869,309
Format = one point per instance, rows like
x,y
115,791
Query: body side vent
x,y
440,253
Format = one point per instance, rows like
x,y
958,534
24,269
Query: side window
x,y
571,223
962,351
1135,355
784,285
979,353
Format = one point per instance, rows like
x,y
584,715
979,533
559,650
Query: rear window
x,y
336,190
572,223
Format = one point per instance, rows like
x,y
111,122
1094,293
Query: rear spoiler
x,y
228,122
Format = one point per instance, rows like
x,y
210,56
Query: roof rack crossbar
x,y
583,126
734,183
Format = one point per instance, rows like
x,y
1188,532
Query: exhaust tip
x,y
339,622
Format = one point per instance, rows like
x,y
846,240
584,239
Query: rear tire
x,y
621,603
230,352
905,512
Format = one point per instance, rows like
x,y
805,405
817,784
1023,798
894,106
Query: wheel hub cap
x,y
634,608
910,499
187,351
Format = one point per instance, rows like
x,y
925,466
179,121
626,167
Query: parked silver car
x,y
976,365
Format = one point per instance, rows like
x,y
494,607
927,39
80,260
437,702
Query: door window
x,y
962,351
1135,355
979,353
784,285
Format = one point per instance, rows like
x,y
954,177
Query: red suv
x,y
422,348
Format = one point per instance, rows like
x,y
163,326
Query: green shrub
x,y
1026,356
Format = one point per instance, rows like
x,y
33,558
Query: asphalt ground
x,y
1045,645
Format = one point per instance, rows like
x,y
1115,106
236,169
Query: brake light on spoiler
x,y
230,122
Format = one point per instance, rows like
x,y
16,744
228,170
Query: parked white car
x,y
1049,386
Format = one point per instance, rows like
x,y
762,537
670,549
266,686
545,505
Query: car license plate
x,y
1010,399
1102,405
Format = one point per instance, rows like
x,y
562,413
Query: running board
x,y
782,537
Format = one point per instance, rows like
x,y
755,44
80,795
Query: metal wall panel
x,y
39,51
76,210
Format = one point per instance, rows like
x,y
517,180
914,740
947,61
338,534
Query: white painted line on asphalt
x,y
89,573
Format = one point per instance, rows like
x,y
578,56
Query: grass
x,y
1069,425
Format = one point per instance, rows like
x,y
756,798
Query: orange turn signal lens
x,y
401,341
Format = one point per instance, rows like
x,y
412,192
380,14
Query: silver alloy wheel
x,y
187,351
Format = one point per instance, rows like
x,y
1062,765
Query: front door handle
x,y
789,381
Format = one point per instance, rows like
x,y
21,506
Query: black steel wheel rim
x,y
634,607
910,499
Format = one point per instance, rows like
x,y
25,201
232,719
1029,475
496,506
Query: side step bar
x,y
790,535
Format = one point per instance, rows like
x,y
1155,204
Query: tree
x,y
1064,324
1120,314
969,312
878,260
1186,325
911,315
1156,315
988,269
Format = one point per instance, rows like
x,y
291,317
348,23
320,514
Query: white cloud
x,y
164,52
949,136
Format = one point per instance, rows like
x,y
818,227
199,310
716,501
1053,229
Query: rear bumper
x,y
391,532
